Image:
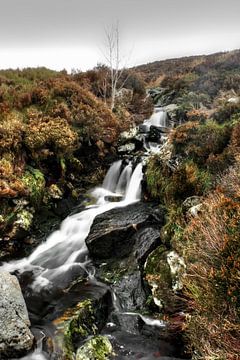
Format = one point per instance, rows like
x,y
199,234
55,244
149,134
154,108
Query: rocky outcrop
x,y
115,233
164,272
15,337
119,243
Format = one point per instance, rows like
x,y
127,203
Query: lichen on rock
x,y
97,348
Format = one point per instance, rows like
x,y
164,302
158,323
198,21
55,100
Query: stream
x,y
48,276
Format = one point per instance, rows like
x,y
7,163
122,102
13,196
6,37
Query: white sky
x,y
69,33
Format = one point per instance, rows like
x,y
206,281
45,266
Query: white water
x,y
64,255
111,179
158,118
124,179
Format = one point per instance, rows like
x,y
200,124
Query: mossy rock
x,y
162,281
78,323
74,326
34,181
97,348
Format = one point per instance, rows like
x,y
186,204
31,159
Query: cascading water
x,y
112,177
64,255
124,179
159,118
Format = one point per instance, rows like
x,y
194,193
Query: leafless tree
x,y
114,61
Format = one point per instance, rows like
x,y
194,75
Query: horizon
x,y
127,67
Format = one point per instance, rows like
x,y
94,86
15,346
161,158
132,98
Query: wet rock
x,y
128,135
113,198
130,292
97,348
15,336
112,233
129,322
164,272
127,148
85,319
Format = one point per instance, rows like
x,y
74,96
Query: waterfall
x,y
64,255
158,118
110,181
133,192
124,179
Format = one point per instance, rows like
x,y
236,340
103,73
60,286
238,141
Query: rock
x,y
191,201
164,272
112,233
156,133
128,321
85,319
15,337
175,113
177,269
97,348
130,292
195,210
128,135
127,148
113,198
234,100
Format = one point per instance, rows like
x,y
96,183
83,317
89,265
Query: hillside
x,y
223,63
58,136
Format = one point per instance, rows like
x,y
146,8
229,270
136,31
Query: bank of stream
x,y
96,261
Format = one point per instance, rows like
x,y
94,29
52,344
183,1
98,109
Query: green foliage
x,y
97,348
172,187
199,141
34,182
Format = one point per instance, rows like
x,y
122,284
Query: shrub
x,y
45,136
172,187
212,282
11,132
199,141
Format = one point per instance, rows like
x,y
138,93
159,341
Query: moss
x,y
74,326
97,348
34,181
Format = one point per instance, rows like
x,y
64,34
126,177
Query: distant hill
x,y
222,61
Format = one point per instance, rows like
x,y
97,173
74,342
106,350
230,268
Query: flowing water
x,y
159,118
63,257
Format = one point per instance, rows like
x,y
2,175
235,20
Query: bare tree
x,y
114,61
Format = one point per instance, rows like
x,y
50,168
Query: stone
x,y
114,233
234,100
191,202
97,348
113,198
16,338
164,272
81,321
130,292
128,135
127,148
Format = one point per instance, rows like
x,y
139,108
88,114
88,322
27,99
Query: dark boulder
x,y
118,232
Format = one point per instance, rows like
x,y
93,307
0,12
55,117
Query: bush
x,y
46,136
172,187
212,282
199,141
11,132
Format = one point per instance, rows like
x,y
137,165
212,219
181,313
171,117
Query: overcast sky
x,y
70,33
